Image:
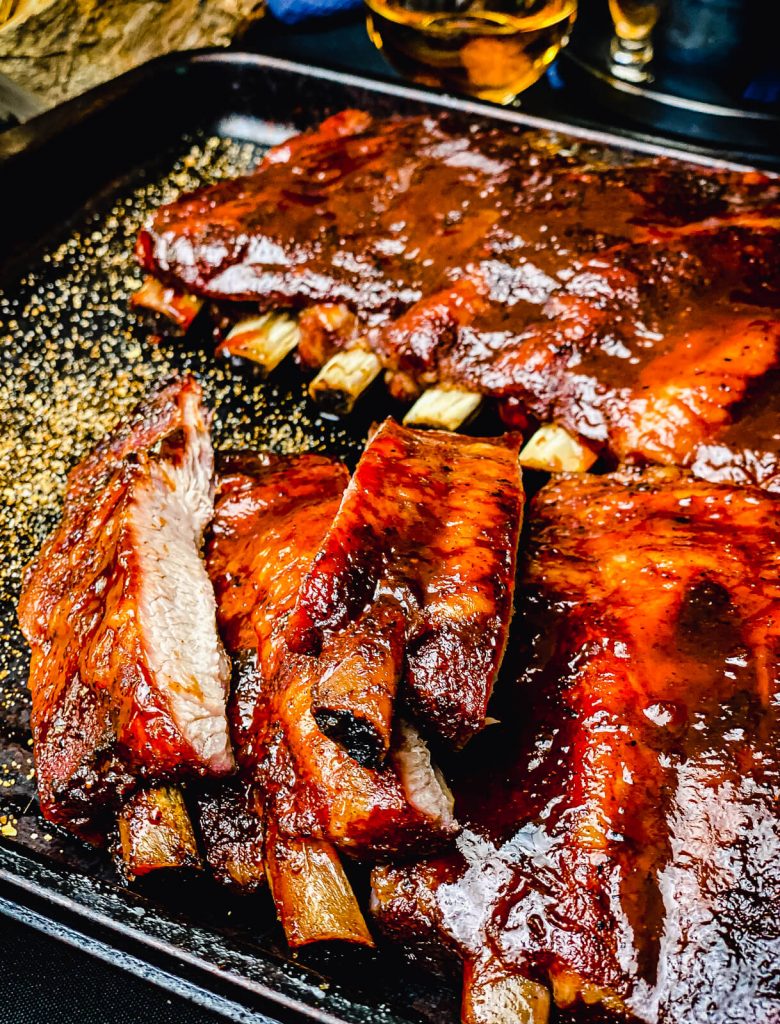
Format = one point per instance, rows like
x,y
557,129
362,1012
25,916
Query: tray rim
x,y
81,940
69,920
52,911
33,133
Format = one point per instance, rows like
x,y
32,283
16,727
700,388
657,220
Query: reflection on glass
x,y
488,48
6,10
631,49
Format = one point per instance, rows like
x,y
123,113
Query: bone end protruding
x,y
553,449
314,900
155,832
343,379
495,997
178,306
265,340
353,699
443,408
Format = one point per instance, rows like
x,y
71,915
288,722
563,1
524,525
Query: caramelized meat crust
x,y
427,531
646,351
351,213
379,214
635,305
128,682
620,827
232,827
271,516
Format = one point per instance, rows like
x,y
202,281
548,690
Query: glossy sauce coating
x,y
379,214
632,304
271,516
620,825
430,522
747,449
101,719
354,216
645,351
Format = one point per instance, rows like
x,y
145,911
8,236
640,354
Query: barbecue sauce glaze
x,y
635,305
620,825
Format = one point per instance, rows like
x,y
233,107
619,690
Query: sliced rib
x,y
271,516
128,675
428,532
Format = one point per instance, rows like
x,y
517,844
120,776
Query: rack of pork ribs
x,y
629,311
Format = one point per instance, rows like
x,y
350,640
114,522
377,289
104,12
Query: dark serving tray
x,y
74,186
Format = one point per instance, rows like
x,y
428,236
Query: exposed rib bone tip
x,y
343,379
313,898
155,832
178,306
265,340
504,999
554,450
443,408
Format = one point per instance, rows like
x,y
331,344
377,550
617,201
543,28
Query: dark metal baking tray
x,y
74,184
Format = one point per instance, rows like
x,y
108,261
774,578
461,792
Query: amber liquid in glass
x,y
631,48
634,19
490,50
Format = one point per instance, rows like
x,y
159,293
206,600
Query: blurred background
x,y
704,71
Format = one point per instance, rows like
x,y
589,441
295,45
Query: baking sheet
x,y
74,188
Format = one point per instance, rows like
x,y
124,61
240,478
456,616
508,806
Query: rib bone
x,y
265,340
443,408
178,306
554,450
155,831
491,997
313,897
343,379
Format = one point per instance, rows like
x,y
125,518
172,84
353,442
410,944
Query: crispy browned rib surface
x,y
271,516
231,822
427,531
127,682
621,831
